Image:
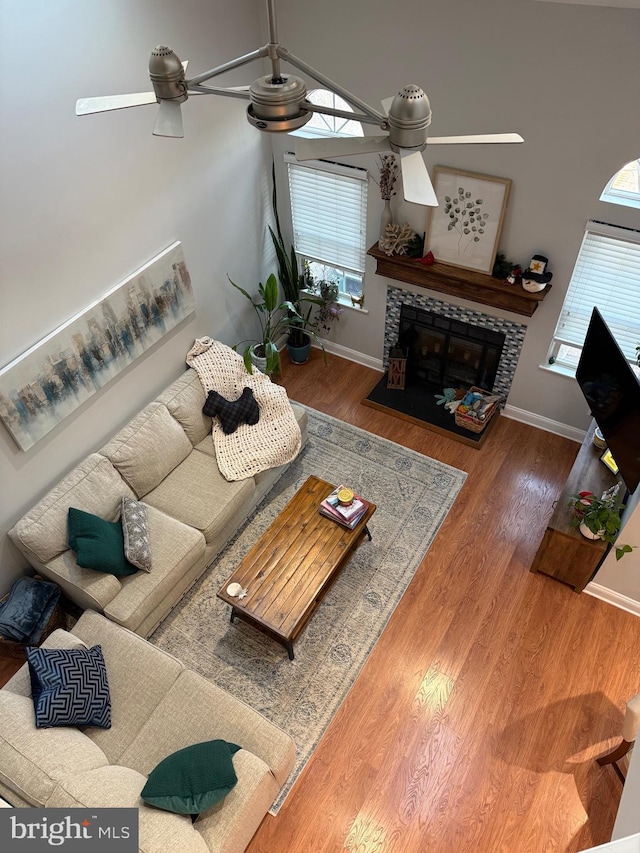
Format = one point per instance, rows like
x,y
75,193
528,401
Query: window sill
x,y
343,302
559,370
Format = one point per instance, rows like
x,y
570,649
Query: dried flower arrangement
x,y
388,175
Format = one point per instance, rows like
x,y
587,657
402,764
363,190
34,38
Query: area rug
x,y
413,495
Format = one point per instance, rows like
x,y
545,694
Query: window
x,y
605,275
329,216
327,125
624,186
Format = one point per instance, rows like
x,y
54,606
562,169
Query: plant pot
x,y
299,354
258,362
588,534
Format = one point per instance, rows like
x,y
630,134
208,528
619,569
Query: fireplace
x,y
447,353
399,298
455,346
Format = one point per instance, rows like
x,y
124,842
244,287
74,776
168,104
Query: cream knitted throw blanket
x,y
274,440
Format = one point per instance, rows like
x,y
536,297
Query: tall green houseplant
x,y
275,318
294,281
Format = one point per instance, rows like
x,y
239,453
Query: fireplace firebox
x,y
447,353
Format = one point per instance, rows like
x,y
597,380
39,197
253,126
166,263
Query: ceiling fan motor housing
x,y
167,75
278,104
409,117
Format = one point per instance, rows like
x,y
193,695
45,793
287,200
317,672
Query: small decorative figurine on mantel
x,y
535,278
515,276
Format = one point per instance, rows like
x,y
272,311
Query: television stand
x,y
564,553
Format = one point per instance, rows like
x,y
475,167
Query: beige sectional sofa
x,y
164,457
158,707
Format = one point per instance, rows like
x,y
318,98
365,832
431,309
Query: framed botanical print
x,y
464,230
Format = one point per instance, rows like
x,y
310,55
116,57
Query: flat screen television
x,y
612,391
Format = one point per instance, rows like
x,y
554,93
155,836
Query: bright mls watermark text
x,y
79,829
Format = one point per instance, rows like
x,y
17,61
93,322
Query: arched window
x,y
325,125
624,186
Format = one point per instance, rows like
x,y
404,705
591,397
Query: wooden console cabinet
x,y
564,553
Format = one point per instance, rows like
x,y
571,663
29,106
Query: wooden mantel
x,y
467,284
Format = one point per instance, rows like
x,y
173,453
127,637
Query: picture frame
x,y
55,376
464,229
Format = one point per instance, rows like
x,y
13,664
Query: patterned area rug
x,y
413,495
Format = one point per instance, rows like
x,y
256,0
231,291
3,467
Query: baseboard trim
x,y
622,602
546,424
353,355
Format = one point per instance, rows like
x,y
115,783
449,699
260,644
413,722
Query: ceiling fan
x,y
278,103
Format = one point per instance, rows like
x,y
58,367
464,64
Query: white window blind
x,y
606,275
329,213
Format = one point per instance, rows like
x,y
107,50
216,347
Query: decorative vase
x,y
588,534
386,218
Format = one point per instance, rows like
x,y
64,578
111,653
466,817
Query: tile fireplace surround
x,y
514,332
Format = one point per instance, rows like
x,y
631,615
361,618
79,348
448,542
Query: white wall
x,y
85,201
564,76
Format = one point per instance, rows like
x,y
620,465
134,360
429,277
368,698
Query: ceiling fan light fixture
x,y
278,105
167,74
409,117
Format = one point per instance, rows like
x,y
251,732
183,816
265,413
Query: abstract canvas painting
x,y
51,379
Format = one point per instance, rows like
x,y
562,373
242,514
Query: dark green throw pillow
x,y
98,544
192,779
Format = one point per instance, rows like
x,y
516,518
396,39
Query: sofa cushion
x,y
213,713
139,676
94,486
32,760
185,398
119,787
135,530
69,687
232,413
88,589
196,493
98,544
148,448
192,779
177,548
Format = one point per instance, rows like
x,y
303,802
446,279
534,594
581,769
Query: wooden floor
x,y
474,724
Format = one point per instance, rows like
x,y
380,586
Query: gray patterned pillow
x,y
135,530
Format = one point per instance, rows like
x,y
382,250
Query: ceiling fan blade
x,y
483,138
86,106
335,146
386,105
415,179
169,120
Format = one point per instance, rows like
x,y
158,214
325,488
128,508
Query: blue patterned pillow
x,y
69,687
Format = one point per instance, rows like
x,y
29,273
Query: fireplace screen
x,y
444,353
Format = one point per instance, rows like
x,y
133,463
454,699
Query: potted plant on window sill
x,y
599,518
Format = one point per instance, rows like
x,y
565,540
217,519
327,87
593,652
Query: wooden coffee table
x,y
290,568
